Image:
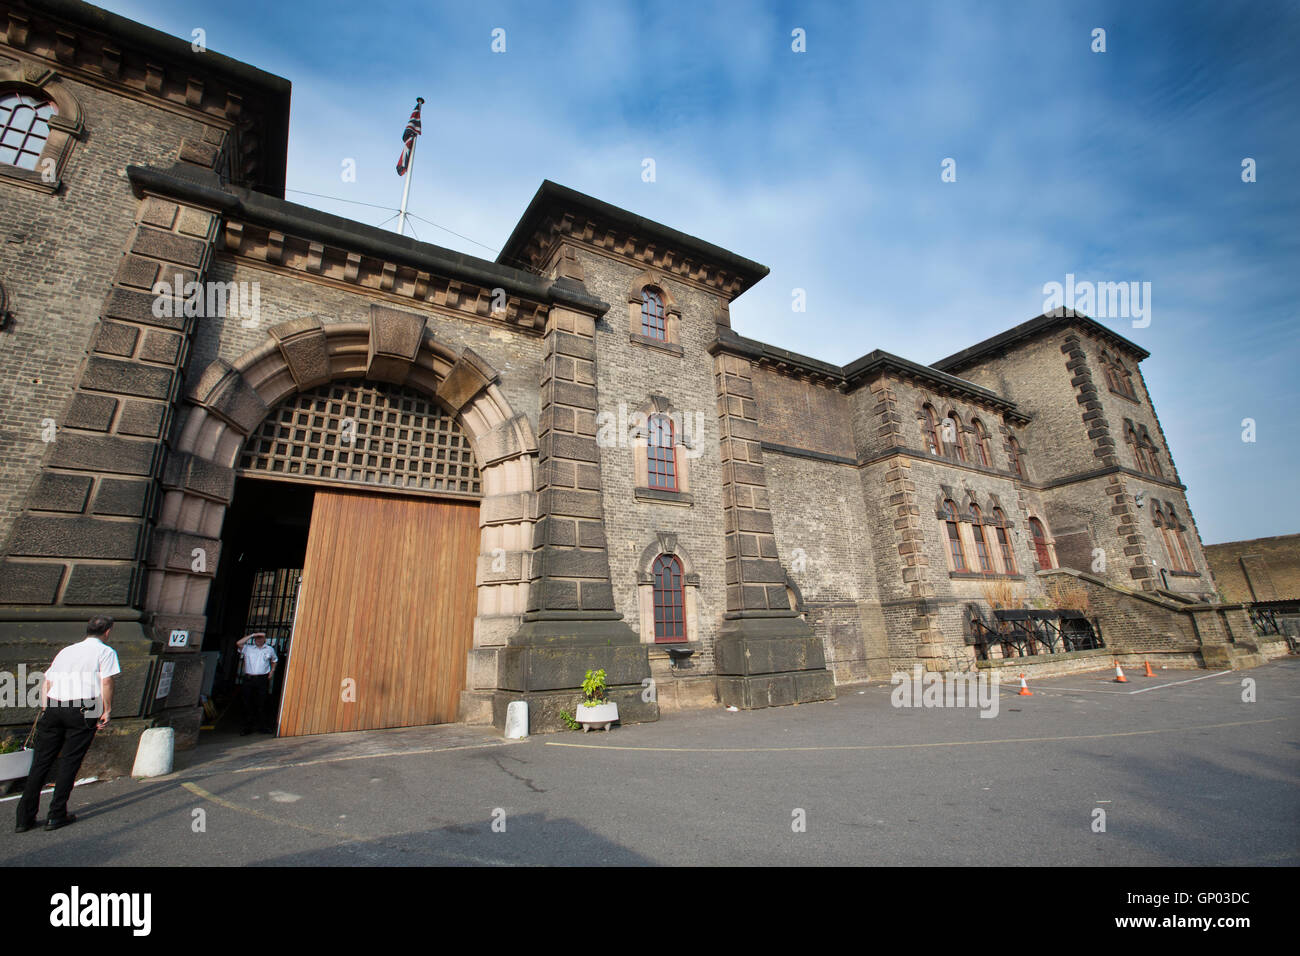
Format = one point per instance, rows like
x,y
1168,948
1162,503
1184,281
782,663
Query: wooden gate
x,y
385,615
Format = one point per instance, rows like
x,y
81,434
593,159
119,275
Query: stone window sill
x,y
682,498
28,178
980,576
1183,574
670,347
1124,395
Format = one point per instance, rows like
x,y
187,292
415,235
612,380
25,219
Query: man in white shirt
x,y
77,699
259,668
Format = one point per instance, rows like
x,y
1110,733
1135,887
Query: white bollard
x,y
517,720
153,758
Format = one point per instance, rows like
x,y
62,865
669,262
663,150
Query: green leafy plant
x,y
569,720
593,687
11,745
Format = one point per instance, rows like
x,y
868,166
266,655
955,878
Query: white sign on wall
x,y
178,639
165,679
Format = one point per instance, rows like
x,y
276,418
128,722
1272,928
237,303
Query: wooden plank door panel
x,y
388,603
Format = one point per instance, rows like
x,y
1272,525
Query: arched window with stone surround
x,y
1004,541
40,121
669,600
957,447
1042,548
1176,530
981,443
654,318
661,453
931,430
1017,457
956,553
981,542
24,127
667,589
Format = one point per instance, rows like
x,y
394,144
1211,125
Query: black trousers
x,y
62,729
257,695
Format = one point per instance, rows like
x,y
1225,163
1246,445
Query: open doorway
x,y
263,546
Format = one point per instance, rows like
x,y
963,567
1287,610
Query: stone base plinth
x,y
770,661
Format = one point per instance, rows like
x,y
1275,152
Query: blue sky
x,y
825,166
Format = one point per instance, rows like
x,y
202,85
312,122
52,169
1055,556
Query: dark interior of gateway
x,y
263,546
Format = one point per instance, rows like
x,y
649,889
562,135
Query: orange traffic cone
x,y
1024,688
1149,672
1119,675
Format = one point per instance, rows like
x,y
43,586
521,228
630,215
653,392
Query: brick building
x,y
444,483
1263,574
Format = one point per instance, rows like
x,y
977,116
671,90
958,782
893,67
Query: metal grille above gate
x,y
364,433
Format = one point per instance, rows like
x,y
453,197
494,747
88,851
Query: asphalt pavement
x,y
1173,770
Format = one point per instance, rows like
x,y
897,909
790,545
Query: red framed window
x,y
661,453
981,443
955,549
654,321
981,543
24,128
1040,544
1004,542
670,600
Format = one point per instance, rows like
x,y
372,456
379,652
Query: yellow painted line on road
x,y
946,743
201,771
336,835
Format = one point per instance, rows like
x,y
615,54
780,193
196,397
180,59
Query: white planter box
x,y
16,765
599,715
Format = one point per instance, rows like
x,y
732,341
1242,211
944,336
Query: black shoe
x,y
61,822
24,827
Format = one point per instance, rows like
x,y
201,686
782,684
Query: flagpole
x,y
406,190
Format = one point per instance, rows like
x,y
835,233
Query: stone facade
x,y
807,510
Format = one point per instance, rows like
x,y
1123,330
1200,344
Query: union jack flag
x,y
408,137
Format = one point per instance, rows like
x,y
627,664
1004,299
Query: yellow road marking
x,y
946,743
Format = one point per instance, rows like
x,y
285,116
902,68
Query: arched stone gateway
x,y
230,401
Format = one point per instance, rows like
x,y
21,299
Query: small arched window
x,y
670,602
931,431
1041,550
1153,456
981,542
981,443
955,550
654,320
1004,542
24,128
661,453
957,447
1017,457
1176,530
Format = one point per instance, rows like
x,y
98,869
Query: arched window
x,y
981,543
1153,456
661,453
957,447
955,550
1108,369
931,431
670,601
24,128
654,320
1004,542
1176,529
1125,380
1041,550
1017,457
981,443
1139,453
